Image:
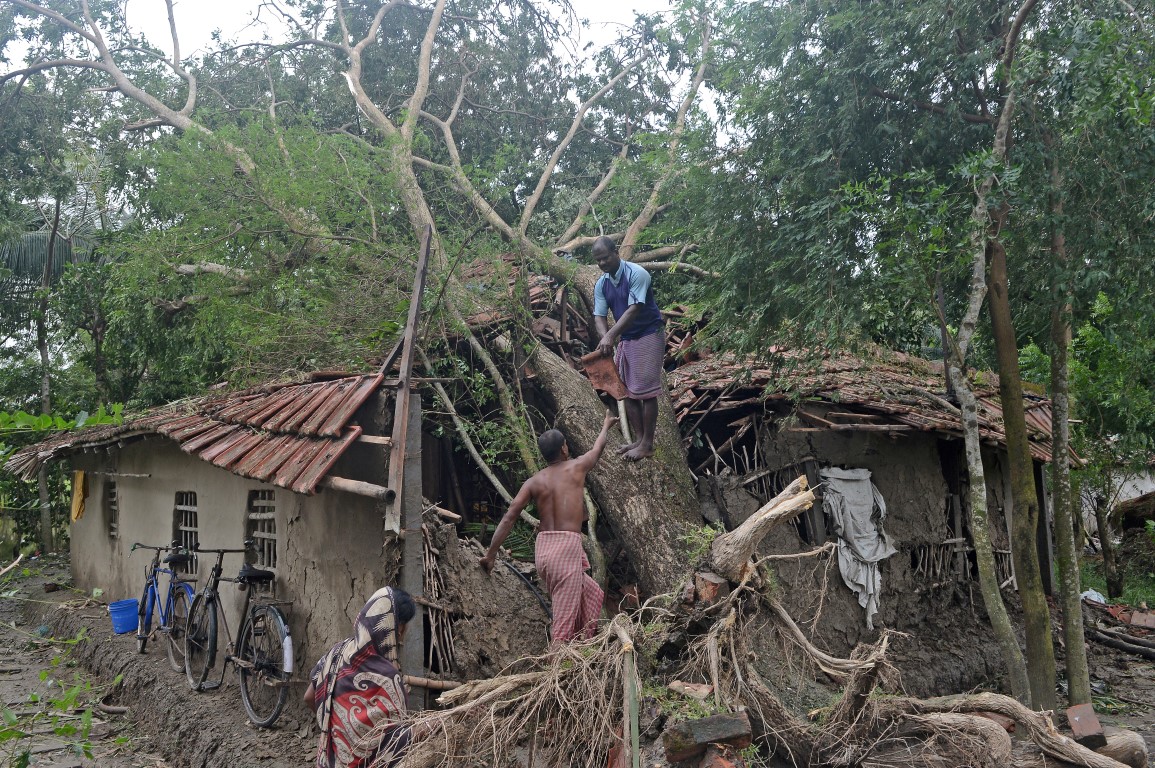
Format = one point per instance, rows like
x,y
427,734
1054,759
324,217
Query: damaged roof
x,y
288,435
879,391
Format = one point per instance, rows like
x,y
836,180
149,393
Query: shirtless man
x,y
561,562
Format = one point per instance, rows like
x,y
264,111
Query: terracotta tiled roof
x,y
904,391
284,434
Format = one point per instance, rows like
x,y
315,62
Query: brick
x,y
1085,726
1007,723
688,739
721,757
1138,618
710,587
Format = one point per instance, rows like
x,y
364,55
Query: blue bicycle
x,y
171,605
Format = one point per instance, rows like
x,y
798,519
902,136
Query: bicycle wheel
x,y
265,650
177,618
200,641
144,617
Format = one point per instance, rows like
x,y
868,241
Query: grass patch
x,y
1138,586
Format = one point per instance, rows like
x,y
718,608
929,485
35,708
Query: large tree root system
x,y
577,703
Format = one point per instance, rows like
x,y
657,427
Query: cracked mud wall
x,y
496,617
950,646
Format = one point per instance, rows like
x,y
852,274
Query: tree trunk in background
x,y
46,542
1110,564
1078,677
650,504
1024,545
980,534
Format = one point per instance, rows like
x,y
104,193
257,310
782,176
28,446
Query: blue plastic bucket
x,y
123,613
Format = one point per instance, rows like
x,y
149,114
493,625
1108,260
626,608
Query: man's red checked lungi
x,y
577,599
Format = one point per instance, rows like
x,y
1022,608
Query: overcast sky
x,y
197,19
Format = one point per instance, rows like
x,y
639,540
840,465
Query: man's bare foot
x,y
623,450
639,452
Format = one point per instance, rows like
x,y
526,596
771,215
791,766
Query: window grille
x,y
112,509
185,531
261,526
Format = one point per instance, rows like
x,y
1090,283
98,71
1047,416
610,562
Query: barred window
x,y
112,509
184,527
261,525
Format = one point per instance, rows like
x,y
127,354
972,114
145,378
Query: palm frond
x,y
24,258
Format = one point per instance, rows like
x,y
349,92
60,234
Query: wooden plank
x,y
375,439
413,550
396,467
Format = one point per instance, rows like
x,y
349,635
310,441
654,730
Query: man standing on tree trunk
x,y
638,332
558,492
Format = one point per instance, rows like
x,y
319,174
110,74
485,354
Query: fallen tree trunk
x,y
650,504
1118,643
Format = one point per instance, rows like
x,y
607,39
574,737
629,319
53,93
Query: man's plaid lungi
x,y
577,599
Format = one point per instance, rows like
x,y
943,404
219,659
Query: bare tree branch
x,y
208,267
679,266
551,164
647,214
588,204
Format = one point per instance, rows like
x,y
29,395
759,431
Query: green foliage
x,y
519,543
697,541
1138,587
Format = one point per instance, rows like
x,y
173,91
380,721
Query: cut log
x,y
1117,642
689,738
1125,746
731,552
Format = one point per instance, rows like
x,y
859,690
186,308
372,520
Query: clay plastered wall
x,y
329,545
940,619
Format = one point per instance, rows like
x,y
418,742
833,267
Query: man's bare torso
x,y
558,492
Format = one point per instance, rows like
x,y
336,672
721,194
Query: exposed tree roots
x,y
571,706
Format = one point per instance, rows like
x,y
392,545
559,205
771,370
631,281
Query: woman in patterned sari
x,y
357,690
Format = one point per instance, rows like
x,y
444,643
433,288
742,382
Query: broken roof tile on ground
x,y
288,435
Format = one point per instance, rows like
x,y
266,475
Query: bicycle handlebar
x,y
137,545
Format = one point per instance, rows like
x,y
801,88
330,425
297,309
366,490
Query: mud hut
x,y
304,469
885,416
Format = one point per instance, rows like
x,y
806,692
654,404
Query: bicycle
x,y
262,651
172,610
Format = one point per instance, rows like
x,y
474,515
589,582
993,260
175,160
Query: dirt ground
x,y
166,725
37,672
169,726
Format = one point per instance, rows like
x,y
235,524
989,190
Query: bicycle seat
x,y
177,558
252,575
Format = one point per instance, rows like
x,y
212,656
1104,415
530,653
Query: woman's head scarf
x,y
362,690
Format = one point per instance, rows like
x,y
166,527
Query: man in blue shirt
x,y
638,332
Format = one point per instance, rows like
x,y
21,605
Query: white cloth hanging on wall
x,y
857,510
